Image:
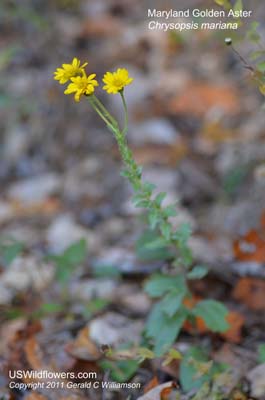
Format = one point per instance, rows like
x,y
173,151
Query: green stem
x,y
125,128
104,117
105,112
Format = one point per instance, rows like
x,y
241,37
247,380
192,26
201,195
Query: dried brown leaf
x,y
251,291
197,98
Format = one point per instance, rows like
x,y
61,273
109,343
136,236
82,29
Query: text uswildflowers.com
x,y
46,374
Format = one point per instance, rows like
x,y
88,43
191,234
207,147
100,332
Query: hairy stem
x,y
125,128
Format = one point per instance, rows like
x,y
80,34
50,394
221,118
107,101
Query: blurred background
x,y
196,124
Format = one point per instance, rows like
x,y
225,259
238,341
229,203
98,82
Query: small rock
x,y
6,212
113,228
35,189
16,143
82,180
114,329
130,297
27,235
234,155
257,379
165,179
64,231
210,251
196,183
259,173
235,219
94,288
183,217
156,130
248,268
126,262
6,294
24,273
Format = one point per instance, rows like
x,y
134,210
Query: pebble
x,y
64,231
87,290
257,379
25,272
114,329
156,130
35,189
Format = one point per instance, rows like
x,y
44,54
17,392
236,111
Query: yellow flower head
x,y
69,71
115,81
82,85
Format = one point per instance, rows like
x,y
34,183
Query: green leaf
x,y
73,256
149,187
172,355
94,306
234,178
166,230
10,251
198,272
140,200
173,301
13,313
164,329
261,353
143,204
120,371
105,271
63,271
186,254
169,211
159,198
159,284
183,233
169,332
147,254
153,218
158,242
155,320
46,309
76,253
125,173
188,370
51,308
144,353
213,313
